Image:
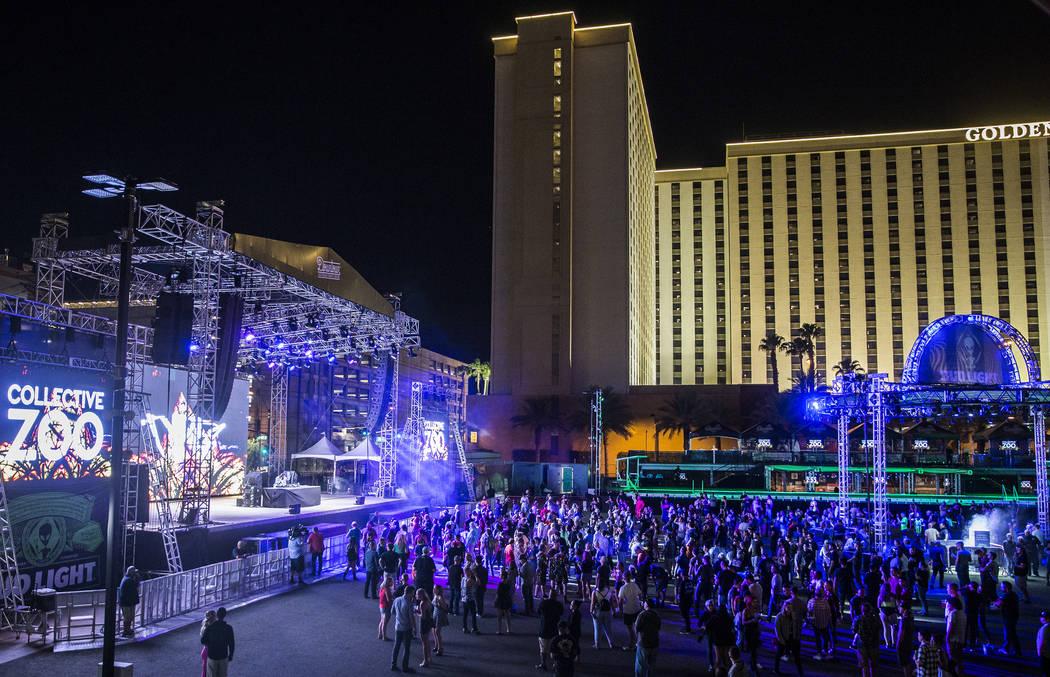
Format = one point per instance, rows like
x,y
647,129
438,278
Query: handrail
x,y
79,612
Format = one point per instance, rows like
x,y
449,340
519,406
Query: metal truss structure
x,y
286,320
597,439
466,470
411,439
859,400
278,438
386,485
877,410
11,602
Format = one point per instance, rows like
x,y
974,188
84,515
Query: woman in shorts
x,y
386,605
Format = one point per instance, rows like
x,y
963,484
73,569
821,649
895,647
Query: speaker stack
x,y
173,328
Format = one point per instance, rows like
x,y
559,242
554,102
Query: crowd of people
x,y
734,570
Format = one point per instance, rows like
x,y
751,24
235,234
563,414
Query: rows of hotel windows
x,y
846,189
556,152
697,276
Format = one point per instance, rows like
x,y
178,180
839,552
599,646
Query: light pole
x,y
109,186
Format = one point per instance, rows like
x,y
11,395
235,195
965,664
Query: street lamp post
x,y
128,189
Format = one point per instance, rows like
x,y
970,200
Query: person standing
x,y
403,613
296,554
386,606
209,618
353,553
128,598
601,612
504,600
962,564
1021,571
647,628
1010,607
786,640
867,630
630,596
315,541
905,639
955,634
550,611
564,650
423,569
527,574
455,583
482,574
373,570
927,656
1042,643
217,639
470,605
820,619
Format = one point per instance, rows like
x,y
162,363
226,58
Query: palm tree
x,y
539,413
678,415
810,333
797,347
805,383
474,371
847,366
486,374
770,345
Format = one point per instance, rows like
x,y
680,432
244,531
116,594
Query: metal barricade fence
x,y
79,614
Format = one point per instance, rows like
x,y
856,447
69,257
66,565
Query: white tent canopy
x,y
324,449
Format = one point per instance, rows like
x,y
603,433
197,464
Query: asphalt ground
x,y
328,628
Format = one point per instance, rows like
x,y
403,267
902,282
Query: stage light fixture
x,y
194,347
344,331
309,353
249,335
331,359
293,324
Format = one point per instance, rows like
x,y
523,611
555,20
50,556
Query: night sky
x,y
370,130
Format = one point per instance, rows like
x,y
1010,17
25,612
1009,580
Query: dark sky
x,y
370,130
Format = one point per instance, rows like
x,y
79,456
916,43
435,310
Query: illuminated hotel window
x,y
557,105
557,156
557,175
557,68
557,138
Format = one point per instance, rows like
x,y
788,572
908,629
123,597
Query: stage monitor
x,y
435,443
55,423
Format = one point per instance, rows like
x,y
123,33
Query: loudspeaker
x,y
71,335
294,509
14,324
360,500
138,481
173,328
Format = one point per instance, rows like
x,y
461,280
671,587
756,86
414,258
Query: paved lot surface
x,y
329,628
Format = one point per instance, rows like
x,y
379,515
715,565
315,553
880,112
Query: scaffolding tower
x,y
11,602
597,440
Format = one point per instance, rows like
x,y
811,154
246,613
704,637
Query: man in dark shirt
x,y
648,628
550,611
455,583
218,638
564,650
423,569
389,560
128,597
1009,606
373,571
962,564
722,635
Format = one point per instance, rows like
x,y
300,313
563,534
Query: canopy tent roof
x,y
366,450
928,430
1007,430
324,449
714,429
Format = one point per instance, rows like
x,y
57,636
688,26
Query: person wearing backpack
x,y
602,600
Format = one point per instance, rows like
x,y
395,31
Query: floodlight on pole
x,y
111,186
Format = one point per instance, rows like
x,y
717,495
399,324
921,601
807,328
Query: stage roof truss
x,y
272,297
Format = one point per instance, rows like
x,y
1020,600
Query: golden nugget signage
x,y
1003,132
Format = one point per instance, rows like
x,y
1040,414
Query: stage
x,y
215,541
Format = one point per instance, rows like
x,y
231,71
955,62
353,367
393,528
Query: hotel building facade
x,y
607,271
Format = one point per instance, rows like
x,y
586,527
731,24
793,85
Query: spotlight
x,y
311,320
194,347
291,367
331,359
293,324
271,364
344,331
249,335
310,353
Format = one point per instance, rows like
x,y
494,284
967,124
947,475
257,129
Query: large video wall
x,y
175,429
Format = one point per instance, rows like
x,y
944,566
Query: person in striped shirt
x,y
820,617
